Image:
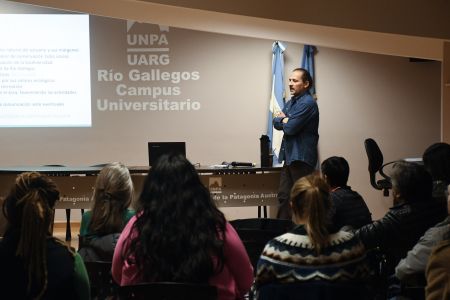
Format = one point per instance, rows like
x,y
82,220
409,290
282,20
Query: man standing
x,y
299,122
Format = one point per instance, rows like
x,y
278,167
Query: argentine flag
x,y
308,65
277,98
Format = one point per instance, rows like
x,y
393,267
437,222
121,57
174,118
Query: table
x,y
229,187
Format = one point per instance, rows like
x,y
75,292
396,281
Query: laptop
x,y
158,149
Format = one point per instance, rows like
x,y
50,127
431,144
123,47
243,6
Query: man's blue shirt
x,y
301,132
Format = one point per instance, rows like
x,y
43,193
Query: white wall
x,y
387,98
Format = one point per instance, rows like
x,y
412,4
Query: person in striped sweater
x,y
312,251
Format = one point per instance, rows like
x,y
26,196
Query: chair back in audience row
x,y
255,233
102,284
279,225
314,290
168,291
103,287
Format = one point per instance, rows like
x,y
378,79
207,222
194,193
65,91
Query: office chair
x,y
167,291
376,166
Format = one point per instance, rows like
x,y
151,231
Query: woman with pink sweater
x,y
179,235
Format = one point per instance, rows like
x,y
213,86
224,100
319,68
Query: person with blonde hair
x,y
312,251
101,226
34,264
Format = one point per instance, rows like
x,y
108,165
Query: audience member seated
x,y
414,211
101,227
411,269
437,272
35,265
349,208
179,235
3,221
311,252
436,160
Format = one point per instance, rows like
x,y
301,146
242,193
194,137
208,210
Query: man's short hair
x,y
412,182
337,170
305,76
436,159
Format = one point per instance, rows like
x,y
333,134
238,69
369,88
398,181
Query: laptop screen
x,y
158,149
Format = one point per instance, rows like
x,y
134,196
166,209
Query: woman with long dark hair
x,y
179,235
34,264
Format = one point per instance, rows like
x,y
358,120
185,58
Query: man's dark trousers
x,y
289,175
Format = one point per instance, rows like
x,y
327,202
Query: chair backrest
x,y
81,241
375,158
254,241
414,288
255,233
280,225
374,155
100,279
413,292
313,290
379,276
167,291
3,220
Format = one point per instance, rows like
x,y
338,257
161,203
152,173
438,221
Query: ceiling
x,y
408,17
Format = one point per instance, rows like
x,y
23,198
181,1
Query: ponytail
x,y
29,209
311,202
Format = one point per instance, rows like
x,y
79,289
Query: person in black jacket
x,y
349,208
414,211
436,160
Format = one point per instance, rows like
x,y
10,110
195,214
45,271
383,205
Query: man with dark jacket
x,y
436,160
299,122
413,213
349,208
